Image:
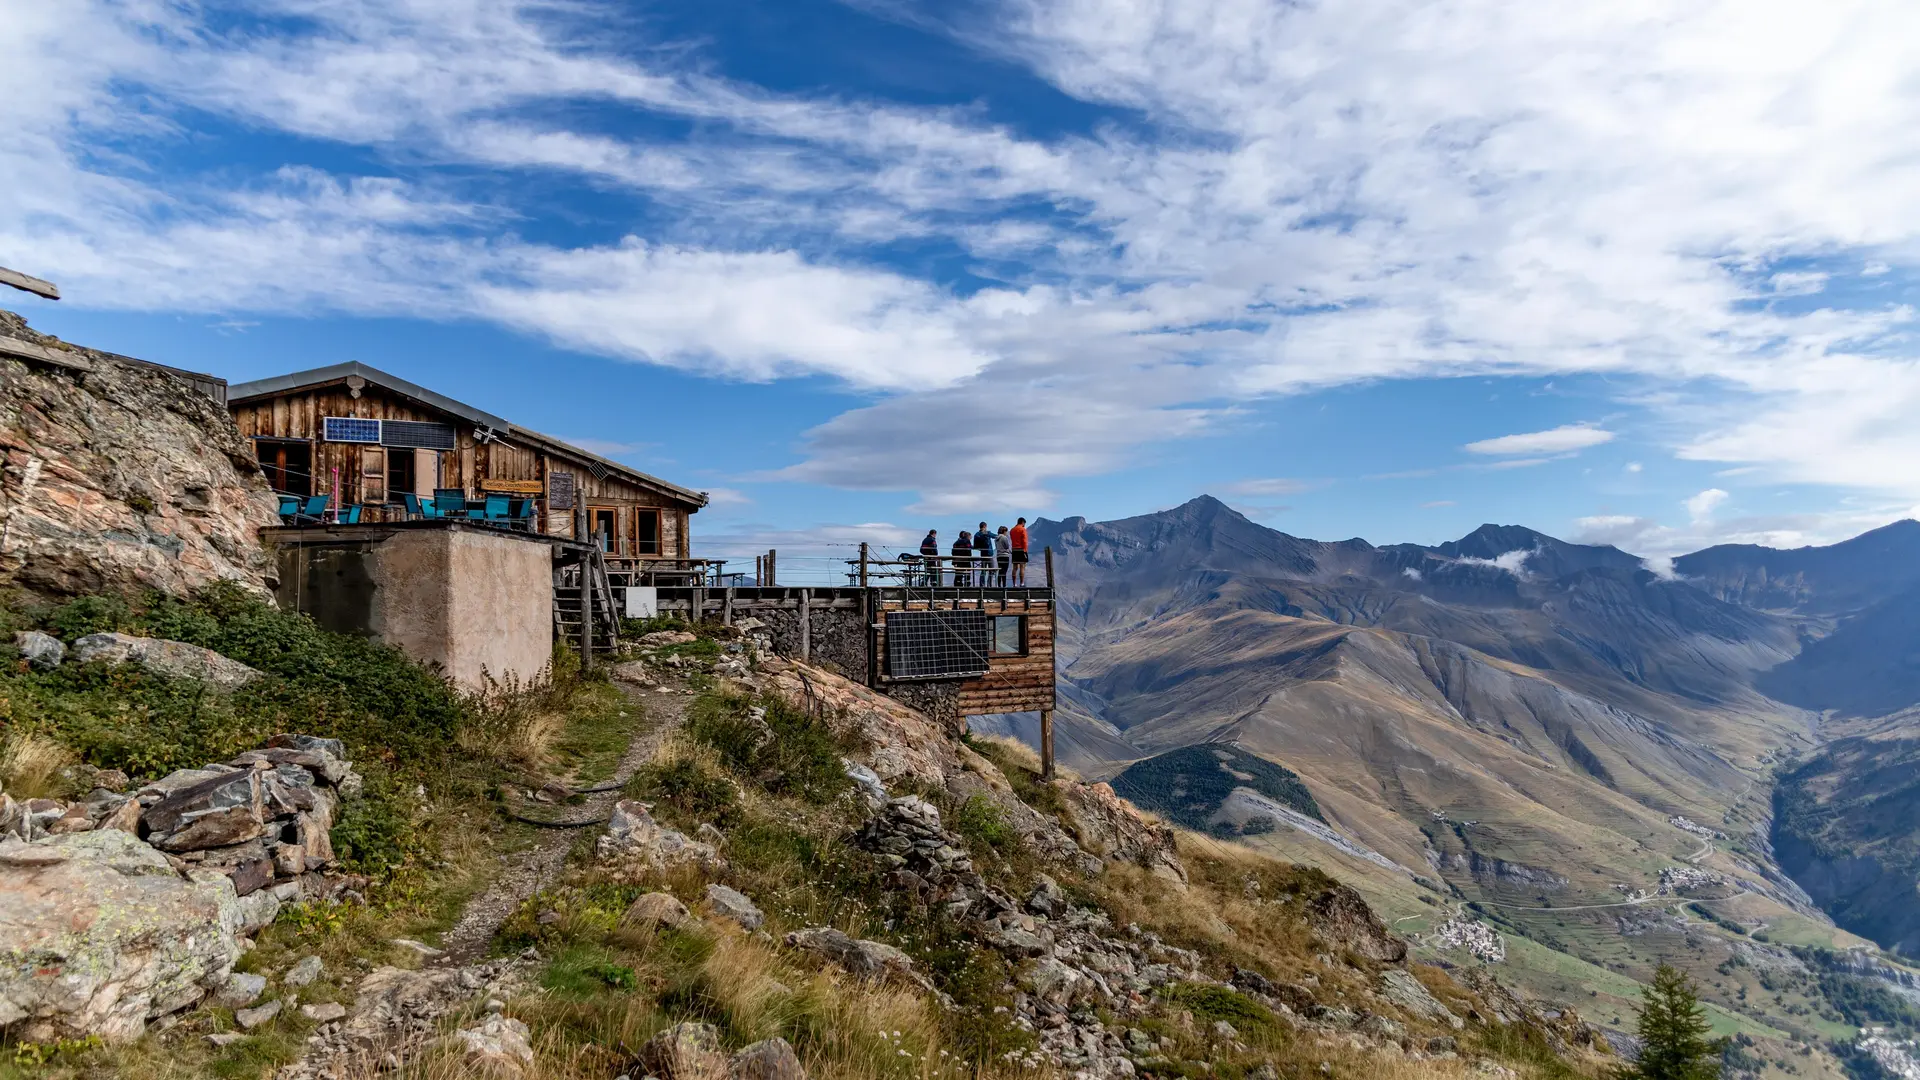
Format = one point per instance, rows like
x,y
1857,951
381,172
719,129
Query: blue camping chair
x,y
496,510
523,514
314,512
449,502
289,508
352,516
414,508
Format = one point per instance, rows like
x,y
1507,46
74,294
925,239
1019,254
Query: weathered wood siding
x,y
1012,683
469,466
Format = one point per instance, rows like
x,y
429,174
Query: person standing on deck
x,y
930,551
962,555
983,554
1018,540
1003,553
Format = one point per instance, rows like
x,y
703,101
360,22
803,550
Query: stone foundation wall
x,y
837,638
938,701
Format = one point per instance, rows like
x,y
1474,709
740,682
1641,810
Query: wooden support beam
x,y
726,609
586,614
1049,554
1046,744
29,283
806,626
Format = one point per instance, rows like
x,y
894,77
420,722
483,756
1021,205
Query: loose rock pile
x,y
121,908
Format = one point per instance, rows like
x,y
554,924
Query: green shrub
x,y
686,792
375,834
1211,1003
89,615
787,752
981,823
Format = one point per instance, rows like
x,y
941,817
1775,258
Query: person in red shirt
x,y
1019,539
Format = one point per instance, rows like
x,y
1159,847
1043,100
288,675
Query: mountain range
x,y
1513,722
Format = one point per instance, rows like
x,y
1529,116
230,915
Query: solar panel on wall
x,y
350,429
418,434
937,644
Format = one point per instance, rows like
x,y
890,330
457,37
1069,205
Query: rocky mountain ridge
x,y
1506,720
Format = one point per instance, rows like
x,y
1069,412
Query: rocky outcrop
x,y
1111,828
99,934
116,475
174,659
901,745
633,836
1341,917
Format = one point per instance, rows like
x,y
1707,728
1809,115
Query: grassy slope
x,y
429,831
611,983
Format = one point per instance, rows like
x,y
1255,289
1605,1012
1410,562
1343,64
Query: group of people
x,y
979,557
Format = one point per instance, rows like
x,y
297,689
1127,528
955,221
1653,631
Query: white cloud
x,y
1701,507
1561,440
1634,467
1412,573
1513,562
1330,194
1436,504
1269,486
1660,566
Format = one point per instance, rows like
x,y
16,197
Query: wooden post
x,y
586,613
1049,554
773,567
757,579
726,608
806,625
1046,744
863,564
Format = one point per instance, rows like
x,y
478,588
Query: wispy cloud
x,y
1268,487
1305,195
1560,440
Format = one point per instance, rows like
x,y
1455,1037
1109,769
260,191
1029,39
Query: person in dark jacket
x,y
983,554
962,556
930,550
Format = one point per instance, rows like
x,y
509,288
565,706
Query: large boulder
x,y
686,1051
42,652
768,1059
175,659
867,959
99,934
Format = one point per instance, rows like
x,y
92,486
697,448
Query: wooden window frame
x,y
993,636
266,442
634,519
614,539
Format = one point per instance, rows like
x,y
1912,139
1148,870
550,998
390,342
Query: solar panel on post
x,y
937,644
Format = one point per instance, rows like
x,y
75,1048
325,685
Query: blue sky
x,y
1642,274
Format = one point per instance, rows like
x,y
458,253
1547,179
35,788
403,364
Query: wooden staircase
x,y
567,606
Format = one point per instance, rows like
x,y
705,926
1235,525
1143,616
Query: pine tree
x,y
1673,1033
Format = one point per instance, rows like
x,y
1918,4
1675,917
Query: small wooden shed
x,y
368,438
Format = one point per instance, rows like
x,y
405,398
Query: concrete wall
x,y
477,602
